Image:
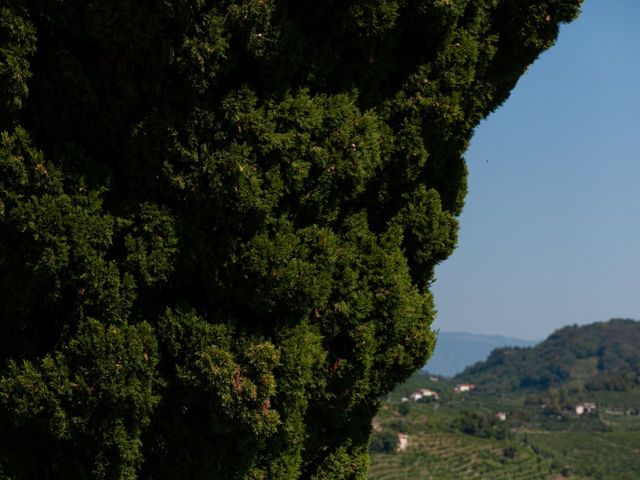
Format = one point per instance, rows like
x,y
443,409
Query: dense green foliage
x,y
219,222
480,424
595,357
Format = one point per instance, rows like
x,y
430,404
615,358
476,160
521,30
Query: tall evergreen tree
x,y
219,222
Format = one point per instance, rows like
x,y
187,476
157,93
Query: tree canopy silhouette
x,y
219,222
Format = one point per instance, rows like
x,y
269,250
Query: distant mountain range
x,y
457,350
595,357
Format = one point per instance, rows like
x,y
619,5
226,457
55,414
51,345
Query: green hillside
x,y
453,456
601,356
511,427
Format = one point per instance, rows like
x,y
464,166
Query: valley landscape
x,y
568,407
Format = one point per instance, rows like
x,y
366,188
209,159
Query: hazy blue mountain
x,y
457,350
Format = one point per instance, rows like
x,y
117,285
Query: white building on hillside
x,y
423,393
585,407
428,393
403,442
463,387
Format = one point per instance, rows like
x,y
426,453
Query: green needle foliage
x,y
219,222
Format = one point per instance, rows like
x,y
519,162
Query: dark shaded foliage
x,y
219,222
480,424
384,442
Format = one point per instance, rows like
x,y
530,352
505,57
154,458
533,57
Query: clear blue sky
x,y
550,234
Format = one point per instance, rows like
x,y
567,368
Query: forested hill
x,y
599,356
